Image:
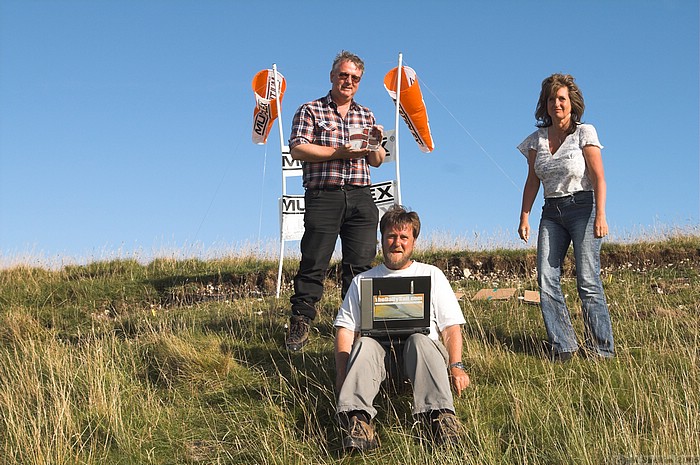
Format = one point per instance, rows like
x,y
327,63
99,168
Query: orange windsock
x,y
265,89
411,106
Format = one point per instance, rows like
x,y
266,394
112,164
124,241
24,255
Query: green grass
x,y
180,362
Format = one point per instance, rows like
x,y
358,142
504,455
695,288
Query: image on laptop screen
x,y
398,307
395,306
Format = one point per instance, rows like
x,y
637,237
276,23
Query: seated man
x,y
362,362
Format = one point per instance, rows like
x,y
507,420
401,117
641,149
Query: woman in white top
x,y
564,155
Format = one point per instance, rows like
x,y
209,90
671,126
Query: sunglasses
x,y
345,76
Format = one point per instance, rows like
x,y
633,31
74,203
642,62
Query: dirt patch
x,y
488,267
219,288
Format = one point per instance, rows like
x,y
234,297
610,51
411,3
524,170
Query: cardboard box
x,y
532,297
494,294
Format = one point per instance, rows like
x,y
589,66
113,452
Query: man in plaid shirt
x,y
338,198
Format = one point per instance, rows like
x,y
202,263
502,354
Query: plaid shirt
x,y
319,122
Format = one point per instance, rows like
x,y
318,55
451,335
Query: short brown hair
x,y
551,86
343,56
398,216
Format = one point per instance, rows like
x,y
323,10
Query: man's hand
x,y
452,336
460,379
375,136
313,153
346,152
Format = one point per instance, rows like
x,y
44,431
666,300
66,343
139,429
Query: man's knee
x,y
366,349
417,343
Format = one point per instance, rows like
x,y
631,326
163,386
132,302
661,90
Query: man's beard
x,y
396,263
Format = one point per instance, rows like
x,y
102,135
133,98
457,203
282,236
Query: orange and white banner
x,y
265,89
411,105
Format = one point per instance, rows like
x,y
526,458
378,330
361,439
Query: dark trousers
x,y
348,213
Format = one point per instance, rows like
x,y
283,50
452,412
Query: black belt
x,y
580,195
345,187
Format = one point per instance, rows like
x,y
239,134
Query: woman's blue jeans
x,y
566,220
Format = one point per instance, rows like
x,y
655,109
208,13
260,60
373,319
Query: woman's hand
x,y
600,226
524,228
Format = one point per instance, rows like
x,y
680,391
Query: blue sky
x,y
125,126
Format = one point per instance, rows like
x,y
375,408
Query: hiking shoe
x,y
298,333
445,428
361,436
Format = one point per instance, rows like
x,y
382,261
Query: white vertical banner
x,y
384,196
389,144
291,209
292,217
290,166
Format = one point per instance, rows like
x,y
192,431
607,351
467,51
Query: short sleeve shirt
x,y
564,172
319,122
444,307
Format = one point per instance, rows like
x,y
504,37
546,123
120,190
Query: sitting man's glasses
x,y
345,76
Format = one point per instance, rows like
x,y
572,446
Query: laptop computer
x,y
394,308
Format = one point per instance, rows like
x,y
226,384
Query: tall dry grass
x,y
96,368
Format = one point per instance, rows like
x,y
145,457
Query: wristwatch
x,y
459,365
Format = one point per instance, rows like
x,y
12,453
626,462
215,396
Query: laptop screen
x,y
395,306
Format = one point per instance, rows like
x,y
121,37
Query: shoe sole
x,y
351,445
296,346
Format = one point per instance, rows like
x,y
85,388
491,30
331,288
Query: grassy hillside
x,y
180,362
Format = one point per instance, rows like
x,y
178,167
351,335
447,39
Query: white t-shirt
x,y
564,172
444,308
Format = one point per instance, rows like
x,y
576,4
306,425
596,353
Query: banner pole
x,y
279,268
279,106
278,91
396,125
